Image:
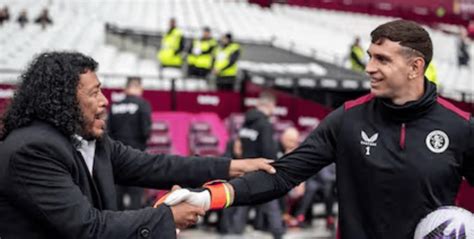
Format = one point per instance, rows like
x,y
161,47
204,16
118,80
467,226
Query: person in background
x,y
324,181
226,219
256,136
44,19
289,140
431,73
22,18
200,55
225,64
463,50
172,45
470,29
129,122
357,56
4,15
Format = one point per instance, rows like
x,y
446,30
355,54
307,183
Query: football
x,y
446,222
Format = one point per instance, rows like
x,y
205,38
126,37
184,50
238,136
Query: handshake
x,y
188,204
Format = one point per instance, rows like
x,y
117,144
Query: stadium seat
x,y
205,140
159,144
160,127
200,128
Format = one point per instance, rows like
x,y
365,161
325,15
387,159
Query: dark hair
x,y
228,36
408,34
47,92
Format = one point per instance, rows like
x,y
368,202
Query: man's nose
x,y
103,100
370,67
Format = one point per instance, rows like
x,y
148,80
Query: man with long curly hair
x,y
58,167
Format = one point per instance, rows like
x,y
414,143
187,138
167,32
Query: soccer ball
x,y
446,222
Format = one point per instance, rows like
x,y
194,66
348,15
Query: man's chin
x,y
377,93
94,135
99,134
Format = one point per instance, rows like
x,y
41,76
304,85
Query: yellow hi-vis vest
x,y
360,54
199,60
169,45
223,58
430,73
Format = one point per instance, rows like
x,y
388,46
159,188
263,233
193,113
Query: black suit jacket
x,y
46,190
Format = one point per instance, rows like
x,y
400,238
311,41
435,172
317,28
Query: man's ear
x,y
417,67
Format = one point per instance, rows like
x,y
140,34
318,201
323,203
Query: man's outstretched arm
x,y
135,168
316,152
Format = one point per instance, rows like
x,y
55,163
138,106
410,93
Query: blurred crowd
x,y
43,19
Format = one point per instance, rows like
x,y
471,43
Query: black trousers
x,y
198,72
312,186
225,83
269,217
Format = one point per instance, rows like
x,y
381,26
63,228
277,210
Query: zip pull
x,y
402,136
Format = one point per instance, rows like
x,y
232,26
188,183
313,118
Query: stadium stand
x,y
319,35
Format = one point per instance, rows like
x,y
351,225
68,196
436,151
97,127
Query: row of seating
x,y
202,140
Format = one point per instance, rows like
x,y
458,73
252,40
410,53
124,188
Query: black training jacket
x,y
130,121
395,164
256,136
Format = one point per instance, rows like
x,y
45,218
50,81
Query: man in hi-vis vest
x,y
225,64
172,44
357,56
431,73
200,54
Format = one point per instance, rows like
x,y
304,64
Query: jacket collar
x,y
413,109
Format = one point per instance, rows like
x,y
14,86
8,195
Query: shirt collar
x,y
83,143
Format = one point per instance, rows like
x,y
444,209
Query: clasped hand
x,y
187,205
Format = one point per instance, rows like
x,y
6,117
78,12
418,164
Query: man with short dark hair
x,y
400,151
201,54
225,66
58,167
22,18
130,123
130,119
256,136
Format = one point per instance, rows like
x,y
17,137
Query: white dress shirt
x,y
87,150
